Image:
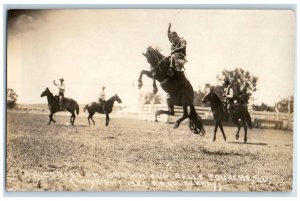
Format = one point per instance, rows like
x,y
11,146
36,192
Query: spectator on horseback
x,y
102,98
228,95
178,53
61,91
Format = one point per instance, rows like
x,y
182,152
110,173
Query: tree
x,y
242,82
12,97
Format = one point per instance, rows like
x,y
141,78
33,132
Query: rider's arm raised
x,y
169,31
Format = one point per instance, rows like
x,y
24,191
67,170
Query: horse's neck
x,y
50,98
217,101
110,102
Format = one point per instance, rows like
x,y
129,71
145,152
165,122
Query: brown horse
x,y
67,104
237,112
94,107
179,89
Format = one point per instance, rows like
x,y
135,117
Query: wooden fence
x,y
259,119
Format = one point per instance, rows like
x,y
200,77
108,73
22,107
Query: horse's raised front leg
x,y
184,116
143,72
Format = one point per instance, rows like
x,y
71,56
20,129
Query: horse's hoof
x,y
176,125
140,84
237,137
214,139
155,91
245,141
225,139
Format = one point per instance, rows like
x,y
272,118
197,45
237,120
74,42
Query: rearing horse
x,y
53,104
179,93
237,111
94,107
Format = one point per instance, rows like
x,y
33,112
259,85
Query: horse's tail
x,y
77,109
249,122
85,107
195,122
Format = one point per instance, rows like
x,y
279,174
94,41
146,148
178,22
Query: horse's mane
x,y
158,50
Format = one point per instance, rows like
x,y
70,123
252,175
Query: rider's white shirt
x,y
228,94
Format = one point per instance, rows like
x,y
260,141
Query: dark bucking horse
x,y
53,104
94,107
237,112
179,93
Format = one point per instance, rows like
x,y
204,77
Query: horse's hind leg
x,y
245,129
169,112
89,120
74,117
91,117
237,123
184,116
221,128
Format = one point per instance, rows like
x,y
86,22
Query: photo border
x,y
6,7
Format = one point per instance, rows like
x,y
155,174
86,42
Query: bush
x,y
12,98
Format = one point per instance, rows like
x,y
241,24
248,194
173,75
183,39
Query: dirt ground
x,y
136,155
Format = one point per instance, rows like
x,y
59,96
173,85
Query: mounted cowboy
x,y
61,91
227,96
102,98
178,54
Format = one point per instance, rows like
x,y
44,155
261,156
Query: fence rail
x,y
260,119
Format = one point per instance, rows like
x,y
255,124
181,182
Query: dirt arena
x,y
131,154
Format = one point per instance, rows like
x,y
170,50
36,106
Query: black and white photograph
x,y
150,100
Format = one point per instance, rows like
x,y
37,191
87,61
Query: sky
x,y
95,47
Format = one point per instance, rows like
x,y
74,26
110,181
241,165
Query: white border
x,y
207,3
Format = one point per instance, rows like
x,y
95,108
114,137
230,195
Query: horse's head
x,y
46,92
159,64
117,98
153,56
211,96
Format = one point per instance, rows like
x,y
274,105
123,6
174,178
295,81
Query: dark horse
x,y
94,107
237,111
179,93
53,104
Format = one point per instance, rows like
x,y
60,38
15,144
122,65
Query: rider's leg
x,y
172,66
102,103
61,96
226,113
